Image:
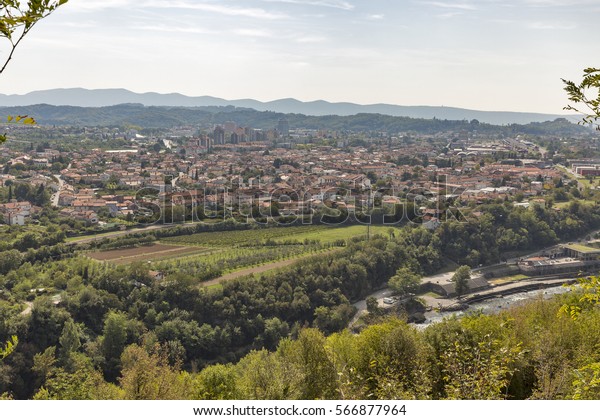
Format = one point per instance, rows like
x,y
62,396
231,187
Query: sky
x,y
496,55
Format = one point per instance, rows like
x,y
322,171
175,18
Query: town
x,y
232,171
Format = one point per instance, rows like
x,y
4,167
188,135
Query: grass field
x,y
333,234
508,279
565,204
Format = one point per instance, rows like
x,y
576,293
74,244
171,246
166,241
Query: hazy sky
x,y
484,54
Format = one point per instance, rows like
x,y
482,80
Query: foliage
x,y
589,296
481,371
405,281
16,20
525,352
9,347
148,376
20,119
580,94
461,279
114,338
586,385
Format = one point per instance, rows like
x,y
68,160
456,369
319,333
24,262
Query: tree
x,y
310,354
479,371
405,281
149,376
372,305
16,20
217,382
113,342
69,342
580,94
9,347
461,279
275,330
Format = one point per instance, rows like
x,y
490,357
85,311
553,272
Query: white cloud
x,y
551,26
337,4
173,29
255,33
311,39
377,16
94,5
557,3
446,5
449,15
218,8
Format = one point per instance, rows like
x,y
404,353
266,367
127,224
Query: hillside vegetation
x,y
531,352
167,117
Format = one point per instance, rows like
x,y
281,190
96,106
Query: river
x,y
494,305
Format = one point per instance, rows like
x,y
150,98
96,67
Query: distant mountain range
x,y
109,97
164,117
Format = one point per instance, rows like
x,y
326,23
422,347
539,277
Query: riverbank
x,y
491,300
494,304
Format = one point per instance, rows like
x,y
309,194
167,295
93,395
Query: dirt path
x,y
90,238
28,308
260,269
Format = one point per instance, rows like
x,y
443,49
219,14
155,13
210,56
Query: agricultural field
x,y
250,237
336,234
325,235
241,251
151,252
214,255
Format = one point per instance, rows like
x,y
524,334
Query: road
x,y
174,180
56,299
361,305
87,239
572,175
56,196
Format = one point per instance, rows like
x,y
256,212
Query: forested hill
x,y
166,117
109,97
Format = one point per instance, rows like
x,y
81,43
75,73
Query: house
x,y
88,216
16,213
445,287
431,224
15,219
156,275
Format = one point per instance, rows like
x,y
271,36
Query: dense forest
x,y
535,351
97,310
